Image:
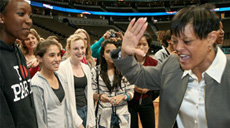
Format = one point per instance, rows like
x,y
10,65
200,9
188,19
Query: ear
x,y
39,59
212,36
1,18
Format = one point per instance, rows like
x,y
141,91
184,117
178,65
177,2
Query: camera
x,y
113,35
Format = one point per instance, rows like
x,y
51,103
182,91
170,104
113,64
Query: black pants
x,y
145,110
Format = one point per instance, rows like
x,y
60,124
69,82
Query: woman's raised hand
x,y
132,36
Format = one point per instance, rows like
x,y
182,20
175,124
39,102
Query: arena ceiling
x,y
155,22
133,5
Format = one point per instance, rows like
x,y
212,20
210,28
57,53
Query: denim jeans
x,y
82,112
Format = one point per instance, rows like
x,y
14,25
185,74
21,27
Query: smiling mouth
x,y
79,55
56,65
184,58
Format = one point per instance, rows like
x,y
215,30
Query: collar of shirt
x,y
216,69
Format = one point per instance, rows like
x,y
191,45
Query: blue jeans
x,y
82,112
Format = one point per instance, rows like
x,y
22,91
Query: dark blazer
x,y
167,79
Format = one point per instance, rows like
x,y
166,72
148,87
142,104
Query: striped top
x,y
105,109
126,87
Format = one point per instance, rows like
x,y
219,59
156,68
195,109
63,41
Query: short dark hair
x,y
3,4
149,40
203,18
42,47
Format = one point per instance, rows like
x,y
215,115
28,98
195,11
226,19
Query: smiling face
x,y
51,59
220,32
194,52
17,21
31,41
108,49
77,50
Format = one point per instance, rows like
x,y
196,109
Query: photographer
x,y
109,34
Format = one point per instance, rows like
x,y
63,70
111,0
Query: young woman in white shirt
x,y
79,78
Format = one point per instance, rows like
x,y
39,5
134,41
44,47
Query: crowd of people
x,y
45,85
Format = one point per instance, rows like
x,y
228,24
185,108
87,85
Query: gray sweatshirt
x,y
51,113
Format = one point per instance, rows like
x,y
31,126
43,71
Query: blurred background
x,y
48,21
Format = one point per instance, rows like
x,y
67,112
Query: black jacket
x,y
16,101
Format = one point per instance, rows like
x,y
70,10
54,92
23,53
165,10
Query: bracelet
x,y
126,97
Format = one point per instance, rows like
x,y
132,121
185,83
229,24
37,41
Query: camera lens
x,y
113,35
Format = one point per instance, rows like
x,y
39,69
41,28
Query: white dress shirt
x,y
192,112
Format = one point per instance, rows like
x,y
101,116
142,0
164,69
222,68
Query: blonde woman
x,y
88,53
78,76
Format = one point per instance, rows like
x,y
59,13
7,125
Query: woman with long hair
x,y
79,79
27,46
88,59
111,90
